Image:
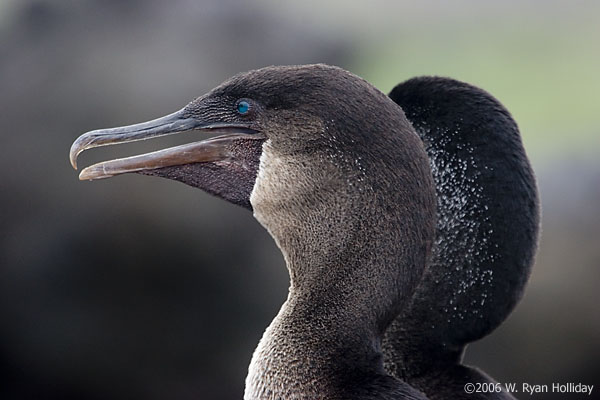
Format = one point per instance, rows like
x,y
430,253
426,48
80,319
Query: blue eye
x,y
243,107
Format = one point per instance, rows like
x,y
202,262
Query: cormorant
x,y
420,227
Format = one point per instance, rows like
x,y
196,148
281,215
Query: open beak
x,y
210,150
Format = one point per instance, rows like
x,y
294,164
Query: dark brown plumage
x,y
487,230
337,174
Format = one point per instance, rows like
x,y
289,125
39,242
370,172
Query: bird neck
x,y
355,237
344,291
329,328
312,349
355,245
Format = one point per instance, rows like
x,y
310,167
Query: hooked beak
x,y
210,150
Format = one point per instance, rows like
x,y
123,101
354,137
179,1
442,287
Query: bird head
x,y
318,114
304,147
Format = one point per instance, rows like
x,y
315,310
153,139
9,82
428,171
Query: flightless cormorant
x,y
408,222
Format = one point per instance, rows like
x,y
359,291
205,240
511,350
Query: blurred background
x,y
143,288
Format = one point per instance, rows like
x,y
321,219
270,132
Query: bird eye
x,y
243,107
